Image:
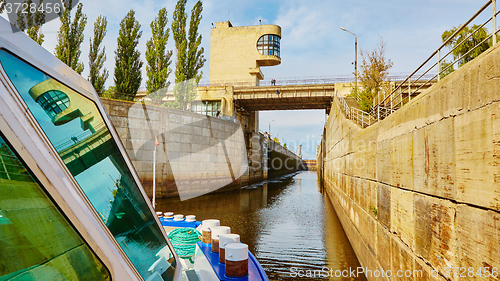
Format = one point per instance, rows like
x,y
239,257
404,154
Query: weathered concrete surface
x,y
420,190
194,150
281,160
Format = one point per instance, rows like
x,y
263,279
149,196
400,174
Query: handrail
x,y
291,81
357,115
381,111
78,138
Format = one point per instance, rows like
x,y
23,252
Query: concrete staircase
x,y
352,102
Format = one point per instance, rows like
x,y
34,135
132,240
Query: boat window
x,y
36,240
76,129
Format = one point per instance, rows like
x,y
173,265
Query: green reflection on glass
x,y
36,241
87,148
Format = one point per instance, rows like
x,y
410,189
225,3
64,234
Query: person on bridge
x,y
273,82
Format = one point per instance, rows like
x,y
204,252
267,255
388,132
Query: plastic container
x,y
225,239
216,231
236,260
206,236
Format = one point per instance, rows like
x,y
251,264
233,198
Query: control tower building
x,y
236,56
237,53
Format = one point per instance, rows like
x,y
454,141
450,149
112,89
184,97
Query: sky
x,y
312,43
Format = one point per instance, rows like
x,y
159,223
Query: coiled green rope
x,y
184,241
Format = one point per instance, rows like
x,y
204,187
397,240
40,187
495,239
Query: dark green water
x,y
288,224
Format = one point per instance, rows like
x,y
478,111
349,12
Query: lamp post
x,y
355,61
270,129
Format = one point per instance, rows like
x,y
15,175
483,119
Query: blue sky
x,y
312,43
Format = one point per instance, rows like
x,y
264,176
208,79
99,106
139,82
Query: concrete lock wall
x,y
282,161
194,150
420,190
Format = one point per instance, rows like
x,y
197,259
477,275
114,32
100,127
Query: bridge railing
x,y
75,139
288,81
402,94
357,115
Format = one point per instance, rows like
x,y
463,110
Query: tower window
x,y
269,45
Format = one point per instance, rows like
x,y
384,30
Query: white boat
x,y
71,204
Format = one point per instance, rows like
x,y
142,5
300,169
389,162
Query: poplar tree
x,y
97,57
158,58
179,34
127,58
189,54
29,22
70,36
195,58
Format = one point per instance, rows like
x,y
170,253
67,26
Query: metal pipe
x,y
439,65
494,21
446,42
409,92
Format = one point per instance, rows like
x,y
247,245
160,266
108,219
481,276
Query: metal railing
x,y
357,115
402,94
286,81
78,138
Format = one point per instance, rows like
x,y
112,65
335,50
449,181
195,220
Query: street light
x,y
270,129
355,61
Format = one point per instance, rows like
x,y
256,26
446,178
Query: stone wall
x,y
257,158
420,190
196,153
282,161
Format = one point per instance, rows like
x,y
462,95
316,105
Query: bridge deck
x,y
285,97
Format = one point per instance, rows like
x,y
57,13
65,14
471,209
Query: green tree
x,y
97,57
190,57
195,58
374,76
158,58
179,34
70,36
468,44
446,68
128,62
461,49
109,93
29,22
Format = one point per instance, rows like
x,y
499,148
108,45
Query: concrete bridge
x,y
288,97
84,151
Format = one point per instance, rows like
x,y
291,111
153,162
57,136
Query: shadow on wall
x,y
195,154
